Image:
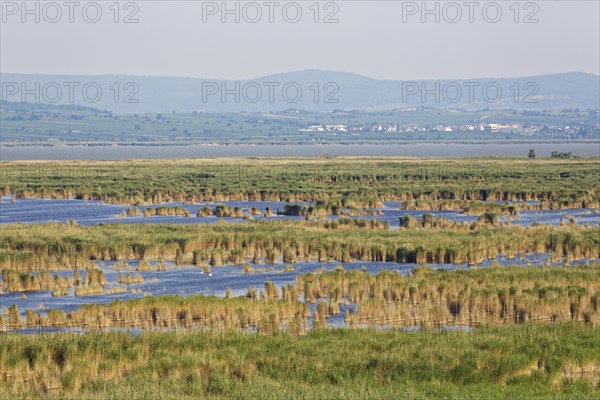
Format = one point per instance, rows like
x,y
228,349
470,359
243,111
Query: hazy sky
x,y
379,39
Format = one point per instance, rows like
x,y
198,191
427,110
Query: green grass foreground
x,y
557,361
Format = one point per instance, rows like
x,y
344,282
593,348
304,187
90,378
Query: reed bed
x,y
48,246
264,315
156,211
471,207
161,211
495,295
89,290
425,298
220,211
322,209
357,182
28,261
14,281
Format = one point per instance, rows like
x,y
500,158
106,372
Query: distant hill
x,y
320,91
25,107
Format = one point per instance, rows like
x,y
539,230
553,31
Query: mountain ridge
x,y
312,90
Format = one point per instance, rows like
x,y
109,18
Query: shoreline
x,y
452,150
307,144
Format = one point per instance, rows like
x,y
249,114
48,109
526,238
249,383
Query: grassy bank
x,y
356,182
559,361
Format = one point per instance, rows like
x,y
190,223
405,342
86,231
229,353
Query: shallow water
x,y
94,212
189,280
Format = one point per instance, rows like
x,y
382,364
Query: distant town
x,y
40,123
566,131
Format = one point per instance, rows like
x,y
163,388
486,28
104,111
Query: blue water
x,y
190,280
94,212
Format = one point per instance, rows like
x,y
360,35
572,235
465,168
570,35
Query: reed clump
x,y
130,279
133,212
121,266
161,266
204,212
92,283
221,211
476,208
329,208
116,290
166,211
15,281
143,266
85,290
254,211
60,291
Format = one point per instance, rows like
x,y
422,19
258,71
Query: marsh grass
x,y
130,279
166,211
14,281
496,295
220,314
53,246
352,181
510,362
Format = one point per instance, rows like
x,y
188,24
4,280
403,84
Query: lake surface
x,y
94,212
17,153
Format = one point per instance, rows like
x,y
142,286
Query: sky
x,y
379,39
